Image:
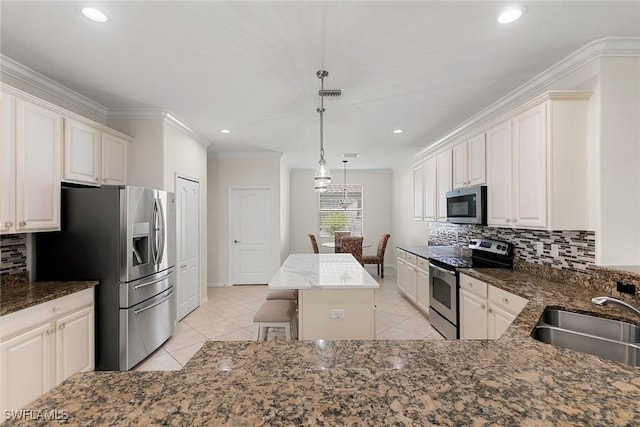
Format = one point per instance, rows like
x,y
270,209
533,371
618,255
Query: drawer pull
x,y
22,223
505,300
490,310
61,327
49,331
8,224
482,306
56,309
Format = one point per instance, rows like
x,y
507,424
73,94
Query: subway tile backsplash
x,y
13,248
576,249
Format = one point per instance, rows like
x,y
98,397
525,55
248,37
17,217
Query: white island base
x,y
336,298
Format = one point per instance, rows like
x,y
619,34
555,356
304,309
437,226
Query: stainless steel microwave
x,y
467,205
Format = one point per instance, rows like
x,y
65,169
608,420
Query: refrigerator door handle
x,y
161,231
155,238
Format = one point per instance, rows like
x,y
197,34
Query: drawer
x,y
423,264
507,300
411,258
402,254
474,286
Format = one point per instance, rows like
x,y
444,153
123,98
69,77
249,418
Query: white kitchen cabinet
x,y
537,165
430,190
38,136
469,162
402,263
473,316
114,159
411,277
485,310
418,183
423,288
43,345
443,171
7,163
82,155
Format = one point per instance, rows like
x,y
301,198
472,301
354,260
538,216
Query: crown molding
x,y
606,47
246,155
182,126
31,77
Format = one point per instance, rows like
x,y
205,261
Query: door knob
x,y
236,241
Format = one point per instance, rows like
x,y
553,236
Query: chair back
x,y
339,235
314,243
382,246
352,245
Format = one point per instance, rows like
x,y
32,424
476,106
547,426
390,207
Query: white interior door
x,y
188,245
250,234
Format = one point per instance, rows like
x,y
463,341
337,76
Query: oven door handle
x,y
453,273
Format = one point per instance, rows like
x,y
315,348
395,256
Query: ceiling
x,y
424,67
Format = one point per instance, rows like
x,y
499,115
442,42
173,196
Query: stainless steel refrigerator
x,y
125,238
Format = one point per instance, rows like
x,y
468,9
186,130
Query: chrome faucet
x,y
606,300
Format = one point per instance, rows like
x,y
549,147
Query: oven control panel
x,y
493,246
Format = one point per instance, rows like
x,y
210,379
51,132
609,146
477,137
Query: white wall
x,y
186,156
146,152
285,210
223,173
377,207
405,229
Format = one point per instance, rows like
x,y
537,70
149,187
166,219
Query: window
x,y
334,217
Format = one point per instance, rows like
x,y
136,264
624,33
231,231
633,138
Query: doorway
x,y
250,235
188,244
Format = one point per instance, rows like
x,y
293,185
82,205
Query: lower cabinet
x,y
422,299
41,346
402,264
413,279
486,311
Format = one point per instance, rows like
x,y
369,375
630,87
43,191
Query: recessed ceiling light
x,y
225,131
511,15
94,14
397,131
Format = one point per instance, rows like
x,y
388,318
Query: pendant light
x,y
322,176
345,202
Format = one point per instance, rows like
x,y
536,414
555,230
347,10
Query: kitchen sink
x,y
609,339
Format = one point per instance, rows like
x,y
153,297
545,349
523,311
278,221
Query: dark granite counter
x,y
514,380
17,293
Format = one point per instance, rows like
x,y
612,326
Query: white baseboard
x,y
215,285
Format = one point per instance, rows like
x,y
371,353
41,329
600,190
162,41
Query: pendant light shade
x,y
322,176
345,202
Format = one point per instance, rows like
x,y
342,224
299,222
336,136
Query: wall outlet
x,y
337,313
554,250
539,248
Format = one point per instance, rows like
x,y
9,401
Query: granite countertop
x,y
322,271
514,380
17,293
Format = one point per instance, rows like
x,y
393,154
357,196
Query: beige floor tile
x,y
239,335
393,318
244,320
399,334
184,339
416,324
164,362
201,317
183,355
230,311
224,327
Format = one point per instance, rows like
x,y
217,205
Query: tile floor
x,y
228,316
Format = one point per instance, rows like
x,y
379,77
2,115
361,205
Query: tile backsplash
x,y
576,249
14,254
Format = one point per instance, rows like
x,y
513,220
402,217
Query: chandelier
x,y
322,176
345,202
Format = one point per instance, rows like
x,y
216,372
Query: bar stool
x,y
283,294
275,314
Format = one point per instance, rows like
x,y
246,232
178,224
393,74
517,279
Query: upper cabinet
x,y
114,159
92,156
40,146
443,172
418,181
430,190
469,162
30,189
537,166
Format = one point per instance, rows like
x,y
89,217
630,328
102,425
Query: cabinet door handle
x,y
22,223
507,220
49,331
61,326
505,300
104,180
8,224
490,310
56,309
97,179
482,306
515,220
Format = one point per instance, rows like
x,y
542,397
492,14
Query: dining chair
x,y
379,257
352,245
314,243
337,236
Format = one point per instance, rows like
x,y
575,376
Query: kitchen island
x,y
336,296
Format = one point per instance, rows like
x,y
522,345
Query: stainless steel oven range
x,y
444,275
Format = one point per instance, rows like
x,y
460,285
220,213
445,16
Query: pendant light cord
x,y
322,75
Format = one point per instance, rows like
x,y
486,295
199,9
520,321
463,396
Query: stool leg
x,y
263,332
287,331
256,332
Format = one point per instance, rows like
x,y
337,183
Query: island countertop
x,y
322,271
